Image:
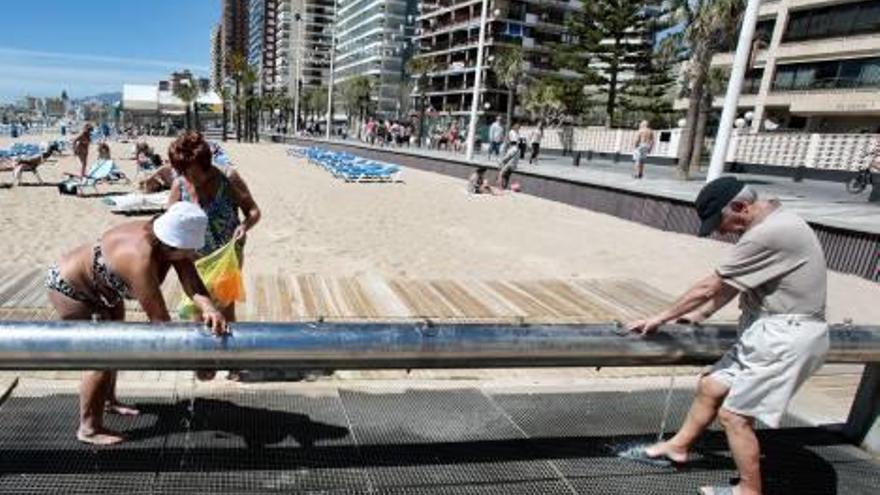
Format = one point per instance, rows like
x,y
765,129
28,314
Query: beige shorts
x,y
770,361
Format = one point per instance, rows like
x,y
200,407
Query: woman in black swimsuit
x,y
130,261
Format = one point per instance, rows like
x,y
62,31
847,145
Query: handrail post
x,y
863,424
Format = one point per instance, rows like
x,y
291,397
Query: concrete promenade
x,y
821,202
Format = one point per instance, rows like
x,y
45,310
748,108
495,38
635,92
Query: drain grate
x,y
416,442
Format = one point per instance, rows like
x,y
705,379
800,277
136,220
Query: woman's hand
x,y
215,321
240,233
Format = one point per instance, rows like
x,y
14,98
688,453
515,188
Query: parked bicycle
x,y
864,176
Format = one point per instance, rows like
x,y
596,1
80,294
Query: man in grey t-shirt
x,y
778,269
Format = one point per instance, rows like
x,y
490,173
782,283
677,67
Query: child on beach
x,y
477,183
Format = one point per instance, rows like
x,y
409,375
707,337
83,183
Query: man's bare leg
x,y
113,404
710,395
91,410
746,451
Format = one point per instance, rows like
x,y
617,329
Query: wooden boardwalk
x,y
309,297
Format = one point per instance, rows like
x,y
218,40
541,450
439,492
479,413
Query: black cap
x,y
712,199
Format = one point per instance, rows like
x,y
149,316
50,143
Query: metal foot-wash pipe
x,y
86,345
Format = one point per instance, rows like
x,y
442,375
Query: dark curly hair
x,y
189,150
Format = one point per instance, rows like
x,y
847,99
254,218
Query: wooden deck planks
x,y
284,297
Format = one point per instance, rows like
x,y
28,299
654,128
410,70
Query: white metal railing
x,y
605,140
781,149
811,150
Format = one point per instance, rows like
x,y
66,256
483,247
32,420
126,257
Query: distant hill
x,y
106,98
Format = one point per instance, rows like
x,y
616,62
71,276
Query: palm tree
x,y
509,70
188,92
237,64
711,24
356,93
716,82
419,68
248,79
225,95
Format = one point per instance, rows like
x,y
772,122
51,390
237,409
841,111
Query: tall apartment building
x,y
819,68
262,36
374,38
304,43
448,35
233,33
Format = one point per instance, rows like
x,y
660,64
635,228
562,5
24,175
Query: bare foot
x,y
116,407
665,449
99,436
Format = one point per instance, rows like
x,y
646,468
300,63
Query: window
x,y
834,74
838,20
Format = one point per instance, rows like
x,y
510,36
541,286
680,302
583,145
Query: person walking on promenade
x,y
81,147
644,145
778,270
535,138
496,137
221,192
513,138
129,261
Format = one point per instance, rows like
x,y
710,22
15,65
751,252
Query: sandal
x,y
640,454
716,490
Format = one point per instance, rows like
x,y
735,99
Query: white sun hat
x,y
182,226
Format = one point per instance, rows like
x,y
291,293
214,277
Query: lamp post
x,y
330,85
478,76
297,18
734,86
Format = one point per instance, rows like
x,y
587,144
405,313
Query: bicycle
x,y
862,179
864,175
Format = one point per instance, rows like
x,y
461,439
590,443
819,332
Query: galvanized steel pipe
x,y
86,345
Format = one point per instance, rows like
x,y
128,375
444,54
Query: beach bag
x,y
220,271
69,187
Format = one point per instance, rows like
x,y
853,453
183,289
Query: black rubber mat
x,y
417,442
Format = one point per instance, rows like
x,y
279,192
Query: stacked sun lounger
x,y
18,150
349,167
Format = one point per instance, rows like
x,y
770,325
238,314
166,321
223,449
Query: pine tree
x,y
650,94
615,35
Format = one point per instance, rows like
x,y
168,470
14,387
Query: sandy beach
x,y
426,227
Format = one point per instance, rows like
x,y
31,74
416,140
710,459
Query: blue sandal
x,y
716,490
640,454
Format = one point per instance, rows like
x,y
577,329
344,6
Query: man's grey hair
x,y
746,195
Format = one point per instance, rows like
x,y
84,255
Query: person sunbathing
x,y
160,180
129,261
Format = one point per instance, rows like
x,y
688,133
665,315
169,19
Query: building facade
x,y
233,34
448,32
816,67
262,36
304,43
374,38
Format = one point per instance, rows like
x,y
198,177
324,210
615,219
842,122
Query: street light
x,y
297,18
330,86
478,76
734,86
